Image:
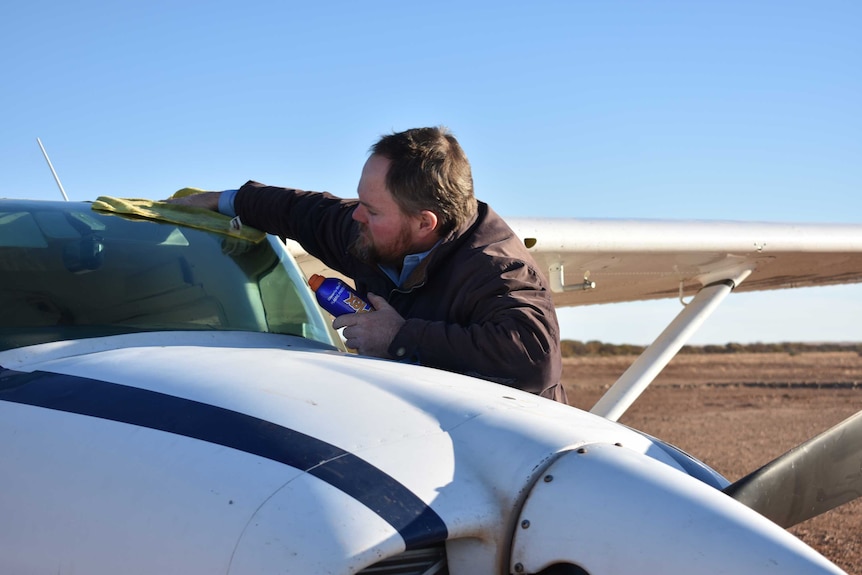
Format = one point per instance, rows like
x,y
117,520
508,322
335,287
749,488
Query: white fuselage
x,y
203,452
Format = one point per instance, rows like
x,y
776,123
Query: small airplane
x,y
173,400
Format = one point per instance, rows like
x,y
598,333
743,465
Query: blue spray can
x,y
336,297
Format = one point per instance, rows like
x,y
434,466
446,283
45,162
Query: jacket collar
x,y
446,246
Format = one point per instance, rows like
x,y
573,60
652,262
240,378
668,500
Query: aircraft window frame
x,y
77,273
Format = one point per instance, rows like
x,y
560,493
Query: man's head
x,y
429,171
415,188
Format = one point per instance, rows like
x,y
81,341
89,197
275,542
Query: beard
x,y
367,250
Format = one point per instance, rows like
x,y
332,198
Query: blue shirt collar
x,y
411,261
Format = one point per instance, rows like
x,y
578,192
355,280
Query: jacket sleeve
x,y
321,222
507,332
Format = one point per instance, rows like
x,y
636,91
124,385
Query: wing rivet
x,y
519,568
549,478
525,524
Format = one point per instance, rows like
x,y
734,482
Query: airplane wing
x,y
629,260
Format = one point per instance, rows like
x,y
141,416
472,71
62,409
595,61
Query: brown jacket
x,y
476,305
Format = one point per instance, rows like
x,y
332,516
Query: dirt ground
x,y
736,412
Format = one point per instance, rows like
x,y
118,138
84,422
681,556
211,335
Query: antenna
x,y
56,179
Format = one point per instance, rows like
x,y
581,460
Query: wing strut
x,y
649,364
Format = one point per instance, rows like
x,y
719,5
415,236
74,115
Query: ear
x,y
427,222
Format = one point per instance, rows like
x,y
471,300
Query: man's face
x,y
386,233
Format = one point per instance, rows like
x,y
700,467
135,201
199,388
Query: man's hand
x,y
371,333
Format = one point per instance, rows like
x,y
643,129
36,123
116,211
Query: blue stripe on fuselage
x,y
417,523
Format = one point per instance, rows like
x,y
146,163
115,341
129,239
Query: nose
x,y
359,214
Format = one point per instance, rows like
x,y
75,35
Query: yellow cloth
x,y
200,218
186,192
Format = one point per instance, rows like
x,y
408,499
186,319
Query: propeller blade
x,y
810,479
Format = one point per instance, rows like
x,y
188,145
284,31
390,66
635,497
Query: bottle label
x,y
351,300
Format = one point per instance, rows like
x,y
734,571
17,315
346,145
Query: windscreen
x,y
68,272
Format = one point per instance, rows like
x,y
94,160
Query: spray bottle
x,y
336,297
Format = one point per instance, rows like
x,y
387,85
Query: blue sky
x,y
708,110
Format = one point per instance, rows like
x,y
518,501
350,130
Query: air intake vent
x,y
427,561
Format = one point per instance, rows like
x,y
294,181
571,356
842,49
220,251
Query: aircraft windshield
x,y
68,272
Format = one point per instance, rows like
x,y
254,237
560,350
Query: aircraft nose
x,y
609,509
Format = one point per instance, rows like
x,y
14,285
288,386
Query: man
x,y
451,284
